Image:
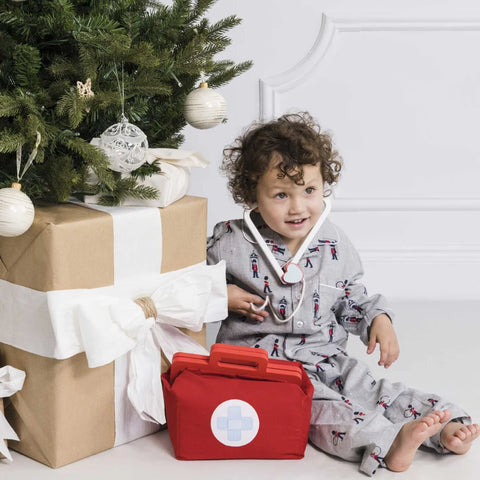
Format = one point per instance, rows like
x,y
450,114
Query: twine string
x,y
148,306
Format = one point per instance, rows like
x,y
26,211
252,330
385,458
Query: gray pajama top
x,y
335,301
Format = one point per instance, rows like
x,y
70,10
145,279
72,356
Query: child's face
x,y
289,209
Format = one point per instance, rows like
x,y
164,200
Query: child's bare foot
x,y
458,438
411,436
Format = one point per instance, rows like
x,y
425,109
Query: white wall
x,y
399,88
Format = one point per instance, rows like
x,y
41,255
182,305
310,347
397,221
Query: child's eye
x,y
281,195
309,190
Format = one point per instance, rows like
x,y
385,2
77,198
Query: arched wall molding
x,y
333,24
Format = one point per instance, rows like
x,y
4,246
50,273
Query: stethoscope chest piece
x,y
292,274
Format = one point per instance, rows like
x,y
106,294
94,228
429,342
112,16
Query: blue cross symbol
x,y
234,423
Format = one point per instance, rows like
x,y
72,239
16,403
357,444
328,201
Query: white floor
x,y
439,353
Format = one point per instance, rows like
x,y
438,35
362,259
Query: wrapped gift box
x,y
1,413
172,183
66,409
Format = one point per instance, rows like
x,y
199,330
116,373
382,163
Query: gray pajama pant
x,y
357,418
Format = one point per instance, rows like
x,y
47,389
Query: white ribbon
x,y
106,323
11,381
110,327
144,386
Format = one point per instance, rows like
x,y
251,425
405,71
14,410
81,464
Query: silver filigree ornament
x,y
125,145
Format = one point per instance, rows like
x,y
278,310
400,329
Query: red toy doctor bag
x,y
236,403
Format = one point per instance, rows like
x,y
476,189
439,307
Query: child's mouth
x,y
298,221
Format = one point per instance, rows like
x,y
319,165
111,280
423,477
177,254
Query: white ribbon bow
x,y
110,326
11,381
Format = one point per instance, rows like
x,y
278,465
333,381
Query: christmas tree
x,y
63,66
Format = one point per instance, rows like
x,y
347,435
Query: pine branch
x,y
147,170
125,188
49,45
56,17
149,85
26,65
199,9
225,76
19,102
61,168
9,107
91,154
99,21
10,141
63,67
217,31
180,12
71,106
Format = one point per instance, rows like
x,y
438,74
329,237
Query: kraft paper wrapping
x,y
66,411
2,411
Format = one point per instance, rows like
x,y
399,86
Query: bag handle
x,y
239,360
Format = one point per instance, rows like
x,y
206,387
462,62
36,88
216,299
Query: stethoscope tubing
x,y
295,259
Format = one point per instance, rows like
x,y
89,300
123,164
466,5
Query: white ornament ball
x,y
16,211
125,145
204,107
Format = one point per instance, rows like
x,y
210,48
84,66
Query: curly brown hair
x,y
295,138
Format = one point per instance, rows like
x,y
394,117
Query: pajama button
x,y
299,324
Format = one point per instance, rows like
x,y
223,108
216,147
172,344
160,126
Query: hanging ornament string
x,y
30,160
121,89
179,83
124,144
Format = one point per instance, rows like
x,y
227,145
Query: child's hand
x,y
382,332
239,301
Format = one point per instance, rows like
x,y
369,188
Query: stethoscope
x,y
291,273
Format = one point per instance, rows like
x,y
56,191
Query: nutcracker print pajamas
x,y
353,416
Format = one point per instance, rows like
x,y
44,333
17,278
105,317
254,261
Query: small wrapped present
x,y
72,290
172,183
11,381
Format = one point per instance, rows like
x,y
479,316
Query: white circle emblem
x,y
234,423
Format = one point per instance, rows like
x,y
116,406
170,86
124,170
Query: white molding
x,y
423,255
331,25
270,87
353,204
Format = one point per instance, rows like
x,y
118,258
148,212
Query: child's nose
x,y
296,206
